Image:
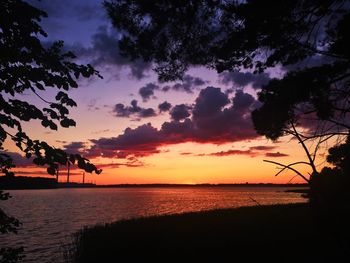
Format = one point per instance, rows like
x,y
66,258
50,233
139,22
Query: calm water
x,y
49,217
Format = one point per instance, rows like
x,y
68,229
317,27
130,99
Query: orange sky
x,y
175,165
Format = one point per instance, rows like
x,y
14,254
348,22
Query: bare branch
x,y
290,168
290,165
40,96
305,149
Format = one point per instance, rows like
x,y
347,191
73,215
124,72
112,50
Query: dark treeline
x,y
24,182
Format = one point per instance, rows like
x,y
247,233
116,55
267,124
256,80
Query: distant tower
x,y
57,173
68,167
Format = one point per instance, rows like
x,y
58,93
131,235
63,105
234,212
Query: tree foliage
x,y
8,224
226,35
30,66
255,35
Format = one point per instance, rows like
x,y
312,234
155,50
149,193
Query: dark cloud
x,y
165,106
262,148
147,91
243,101
209,101
276,154
232,152
188,84
73,9
125,111
145,113
141,141
242,79
129,163
87,31
180,112
18,159
134,110
229,91
101,131
215,119
74,147
250,152
104,52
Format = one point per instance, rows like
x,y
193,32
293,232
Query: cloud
x,y
141,141
233,152
104,52
75,147
101,131
147,91
242,79
180,112
129,163
215,119
19,160
87,31
210,101
72,9
262,148
145,113
188,84
164,106
134,110
252,152
276,154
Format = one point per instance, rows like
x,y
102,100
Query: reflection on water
x,y
49,217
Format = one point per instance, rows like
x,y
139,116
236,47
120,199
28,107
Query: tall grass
x,y
281,233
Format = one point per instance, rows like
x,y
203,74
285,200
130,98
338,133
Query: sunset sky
x,y
139,130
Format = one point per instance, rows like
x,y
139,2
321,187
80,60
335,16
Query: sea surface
x,y
50,217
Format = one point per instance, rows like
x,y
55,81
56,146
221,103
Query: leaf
x,y
67,123
51,170
39,86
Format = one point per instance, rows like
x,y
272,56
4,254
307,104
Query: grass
x,y
280,233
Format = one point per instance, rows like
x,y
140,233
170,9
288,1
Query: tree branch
x,y
290,168
305,149
48,102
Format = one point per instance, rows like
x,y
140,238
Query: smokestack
x,y
68,171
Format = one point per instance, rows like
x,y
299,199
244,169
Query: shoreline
x,y
38,183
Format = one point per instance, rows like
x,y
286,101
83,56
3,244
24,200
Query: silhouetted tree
x,y
333,182
27,66
307,39
8,224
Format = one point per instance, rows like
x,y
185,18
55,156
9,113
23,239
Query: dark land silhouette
x,y
26,182
280,233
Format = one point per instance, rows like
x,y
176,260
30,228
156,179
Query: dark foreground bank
x,y
281,233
